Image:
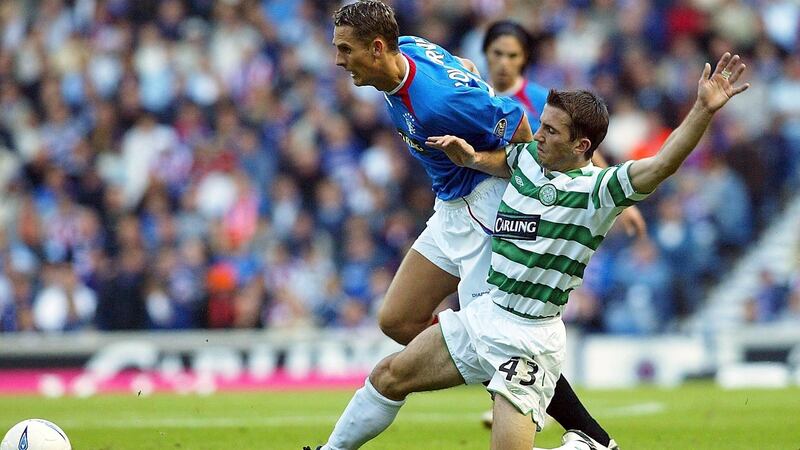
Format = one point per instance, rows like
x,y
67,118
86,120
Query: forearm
x,y
492,162
648,173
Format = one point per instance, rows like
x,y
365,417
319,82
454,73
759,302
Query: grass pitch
x,y
697,416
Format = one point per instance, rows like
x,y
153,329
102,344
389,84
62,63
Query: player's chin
x,y
356,79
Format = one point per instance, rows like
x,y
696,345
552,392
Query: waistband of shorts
x,y
532,320
492,186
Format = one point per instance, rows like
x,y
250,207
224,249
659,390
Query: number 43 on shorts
x,y
524,370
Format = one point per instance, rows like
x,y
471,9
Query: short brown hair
x,y
369,19
587,112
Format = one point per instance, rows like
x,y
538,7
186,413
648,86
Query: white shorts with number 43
x,y
521,358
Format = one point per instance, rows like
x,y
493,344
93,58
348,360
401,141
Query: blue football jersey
x,y
533,98
440,96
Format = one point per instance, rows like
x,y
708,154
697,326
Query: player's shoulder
x,y
417,43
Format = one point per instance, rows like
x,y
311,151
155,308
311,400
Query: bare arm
x,y
713,92
523,132
462,154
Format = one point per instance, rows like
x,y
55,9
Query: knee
x,y
387,379
395,327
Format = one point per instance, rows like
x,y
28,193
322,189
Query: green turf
x,y
697,416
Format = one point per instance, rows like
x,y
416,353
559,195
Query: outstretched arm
x,y
463,154
713,92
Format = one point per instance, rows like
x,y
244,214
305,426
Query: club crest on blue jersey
x,y
410,123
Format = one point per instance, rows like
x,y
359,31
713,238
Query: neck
x,y
395,70
508,88
570,166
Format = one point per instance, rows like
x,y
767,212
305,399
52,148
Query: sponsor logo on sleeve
x,y
517,226
500,128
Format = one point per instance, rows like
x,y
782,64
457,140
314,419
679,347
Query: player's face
x,y
556,150
353,55
505,57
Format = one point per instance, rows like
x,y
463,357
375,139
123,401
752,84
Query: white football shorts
x,y
457,237
520,357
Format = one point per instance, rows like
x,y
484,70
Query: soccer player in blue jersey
x,y
431,92
553,216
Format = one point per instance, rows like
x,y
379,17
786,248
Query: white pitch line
x,y
264,422
640,409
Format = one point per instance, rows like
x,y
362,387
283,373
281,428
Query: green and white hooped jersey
x,y
548,226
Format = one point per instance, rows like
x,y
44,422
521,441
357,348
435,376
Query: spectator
x,y
64,303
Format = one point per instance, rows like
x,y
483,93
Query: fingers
x,y
706,72
740,89
731,66
739,70
437,141
722,63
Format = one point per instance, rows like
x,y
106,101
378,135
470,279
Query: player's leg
x,y
424,365
512,430
567,409
418,287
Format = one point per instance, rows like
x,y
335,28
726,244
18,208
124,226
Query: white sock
x,y
366,416
568,446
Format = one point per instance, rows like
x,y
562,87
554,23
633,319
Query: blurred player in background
x,y
431,92
554,213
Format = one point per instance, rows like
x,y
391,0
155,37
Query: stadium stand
x,y
196,164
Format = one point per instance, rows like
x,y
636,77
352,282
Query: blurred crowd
x,y
172,164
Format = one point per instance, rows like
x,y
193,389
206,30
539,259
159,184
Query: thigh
x,y
418,287
511,430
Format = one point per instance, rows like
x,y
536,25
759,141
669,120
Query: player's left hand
x,y
633,222
458,150
715,89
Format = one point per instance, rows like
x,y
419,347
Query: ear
x,y
582,146
378,47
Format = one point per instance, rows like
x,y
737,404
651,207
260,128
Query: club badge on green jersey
x,y
548,195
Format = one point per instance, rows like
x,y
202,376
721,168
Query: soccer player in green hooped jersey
x,y
555,212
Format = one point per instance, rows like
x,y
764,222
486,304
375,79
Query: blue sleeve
x,y
486,122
